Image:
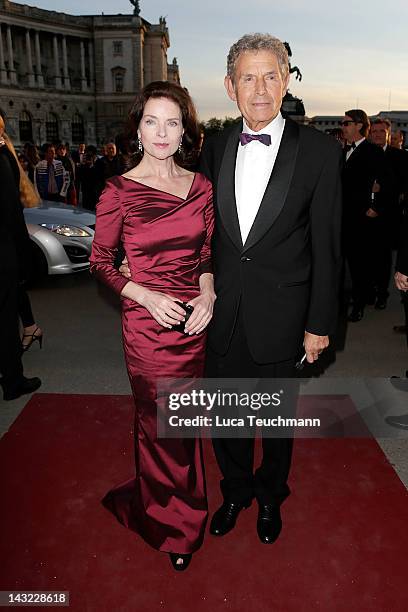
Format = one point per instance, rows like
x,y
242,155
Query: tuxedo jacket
x,y
402,256
285,276
364,166
397,163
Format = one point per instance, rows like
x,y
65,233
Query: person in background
x,y
386,227
33,157
31,331
49,175
14,258
77,157
78,154
88,180
107,166
397,139
69,166
364,189
397,162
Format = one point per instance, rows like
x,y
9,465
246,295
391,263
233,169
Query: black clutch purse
x,y
189,310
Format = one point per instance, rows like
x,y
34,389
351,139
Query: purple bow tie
x,y
245,138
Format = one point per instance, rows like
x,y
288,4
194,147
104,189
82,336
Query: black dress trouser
x,y
235,456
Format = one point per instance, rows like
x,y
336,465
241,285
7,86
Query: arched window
x,y
25,127
118,78
51,128
78,131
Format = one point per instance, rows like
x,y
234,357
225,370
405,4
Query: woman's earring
x,y
139,145
180,147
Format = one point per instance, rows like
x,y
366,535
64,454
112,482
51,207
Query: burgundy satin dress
x,y
167,244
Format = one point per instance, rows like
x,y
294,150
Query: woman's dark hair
x,y
179,95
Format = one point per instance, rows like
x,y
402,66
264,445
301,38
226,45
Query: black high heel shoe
x,y
180,567
34,336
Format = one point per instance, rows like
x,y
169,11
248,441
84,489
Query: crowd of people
x,y
375,199
74,177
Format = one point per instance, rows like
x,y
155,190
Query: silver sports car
x,y
61,237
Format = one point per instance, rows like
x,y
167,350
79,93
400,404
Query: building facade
x,y
73,78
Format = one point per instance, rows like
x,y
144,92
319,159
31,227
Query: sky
x,y
351,54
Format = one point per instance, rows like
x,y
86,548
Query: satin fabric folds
x,y
167,244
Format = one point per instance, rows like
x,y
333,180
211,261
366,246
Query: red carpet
x,y
343,548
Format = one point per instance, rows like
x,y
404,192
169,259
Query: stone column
x,y
58,83
3,71
40,78
13,75
91,65
30,73
84,84
67,83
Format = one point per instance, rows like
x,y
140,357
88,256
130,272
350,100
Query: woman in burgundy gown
x,y
163,216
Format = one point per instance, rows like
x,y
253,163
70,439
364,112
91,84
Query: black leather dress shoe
x,y
381,303
398,421
185,558
225,517
269,524
400,329
26,385
356,314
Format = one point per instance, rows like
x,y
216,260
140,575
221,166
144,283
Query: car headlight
x,y
66,230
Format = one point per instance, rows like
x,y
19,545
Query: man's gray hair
x,y
258,42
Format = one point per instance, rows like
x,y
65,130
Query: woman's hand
x,y
124,268
161,306
203,306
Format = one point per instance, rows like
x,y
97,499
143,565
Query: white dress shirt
x,y
351,151
254,164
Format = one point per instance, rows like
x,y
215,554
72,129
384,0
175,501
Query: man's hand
x,y
124,268
371,213
203,306
314,345
401,281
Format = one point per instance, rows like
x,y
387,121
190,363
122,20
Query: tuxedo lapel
x,y
356,154
226,188
278,185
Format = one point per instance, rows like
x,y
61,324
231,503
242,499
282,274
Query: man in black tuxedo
x,y
276,257
364,188
396,162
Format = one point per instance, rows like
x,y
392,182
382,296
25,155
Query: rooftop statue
x,y
136,5
295,68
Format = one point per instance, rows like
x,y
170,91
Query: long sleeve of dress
x,y
205,254
107,238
